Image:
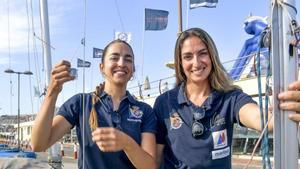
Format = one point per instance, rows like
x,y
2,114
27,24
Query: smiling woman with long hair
x,y
118,130
195,119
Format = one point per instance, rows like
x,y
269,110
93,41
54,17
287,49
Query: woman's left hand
x,y
110,139
291,100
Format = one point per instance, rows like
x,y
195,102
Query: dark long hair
x,y
93,119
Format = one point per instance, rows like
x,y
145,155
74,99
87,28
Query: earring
x,y
132,78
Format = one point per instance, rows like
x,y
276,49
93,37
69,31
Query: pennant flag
x,y
97,53
156,19
203,3
81,63
123,36
37,92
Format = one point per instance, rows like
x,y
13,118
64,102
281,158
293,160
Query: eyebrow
x,y
201,50
115,53
118,54
128,56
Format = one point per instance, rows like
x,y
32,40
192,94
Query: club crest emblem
x,y
175,121
136,112
217,120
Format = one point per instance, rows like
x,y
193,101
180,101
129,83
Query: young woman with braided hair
x,y
114,130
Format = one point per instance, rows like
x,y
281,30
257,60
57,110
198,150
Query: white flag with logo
x,y
123,36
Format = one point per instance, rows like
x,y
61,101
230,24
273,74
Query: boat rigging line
x,y
119,15
9,58
28,57
83,42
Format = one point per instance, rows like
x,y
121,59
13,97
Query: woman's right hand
x,y
290,100
59,75
110,139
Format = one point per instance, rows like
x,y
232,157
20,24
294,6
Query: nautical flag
x,y
97,53
83,41
81,63
123,36
203,3
37,92
156,19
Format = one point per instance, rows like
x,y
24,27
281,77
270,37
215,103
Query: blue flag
x,y
203,3
81,63
156,19
83,41
97,53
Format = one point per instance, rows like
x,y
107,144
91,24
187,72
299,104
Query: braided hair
x,y
93,119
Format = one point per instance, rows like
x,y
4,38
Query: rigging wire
x,y
284,6
28,56
9,58
119,15
43,63
75,53
35,54
83,86
8,33
258,141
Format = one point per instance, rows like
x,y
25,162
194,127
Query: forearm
x,y
250,117
41,131
139,157
270,122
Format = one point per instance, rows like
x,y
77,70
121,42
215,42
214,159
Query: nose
x,y
121,61
196,59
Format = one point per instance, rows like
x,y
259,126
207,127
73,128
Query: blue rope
x,y
260,101
268,75
265,142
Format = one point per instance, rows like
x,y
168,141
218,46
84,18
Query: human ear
x,y
101,67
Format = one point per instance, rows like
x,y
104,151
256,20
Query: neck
x,y
117,92
197,93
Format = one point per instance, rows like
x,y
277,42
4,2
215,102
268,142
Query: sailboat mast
x,y
179,17
54,157
285,72
46,39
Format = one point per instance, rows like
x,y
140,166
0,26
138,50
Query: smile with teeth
x,y
199,70
120,72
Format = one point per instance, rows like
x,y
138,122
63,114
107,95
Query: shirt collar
x,y
130,98
182,97
127,96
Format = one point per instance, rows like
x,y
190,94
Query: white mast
x,y
285,68
46,39
54,155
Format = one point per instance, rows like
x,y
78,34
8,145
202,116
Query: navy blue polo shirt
x,y
136,118
212,150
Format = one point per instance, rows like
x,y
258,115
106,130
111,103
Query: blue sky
x,y
66,17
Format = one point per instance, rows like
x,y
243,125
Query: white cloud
x,y
15,28
18,22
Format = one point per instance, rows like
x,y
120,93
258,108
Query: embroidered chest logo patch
x,y
136,112
220,139
217,120
175,121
